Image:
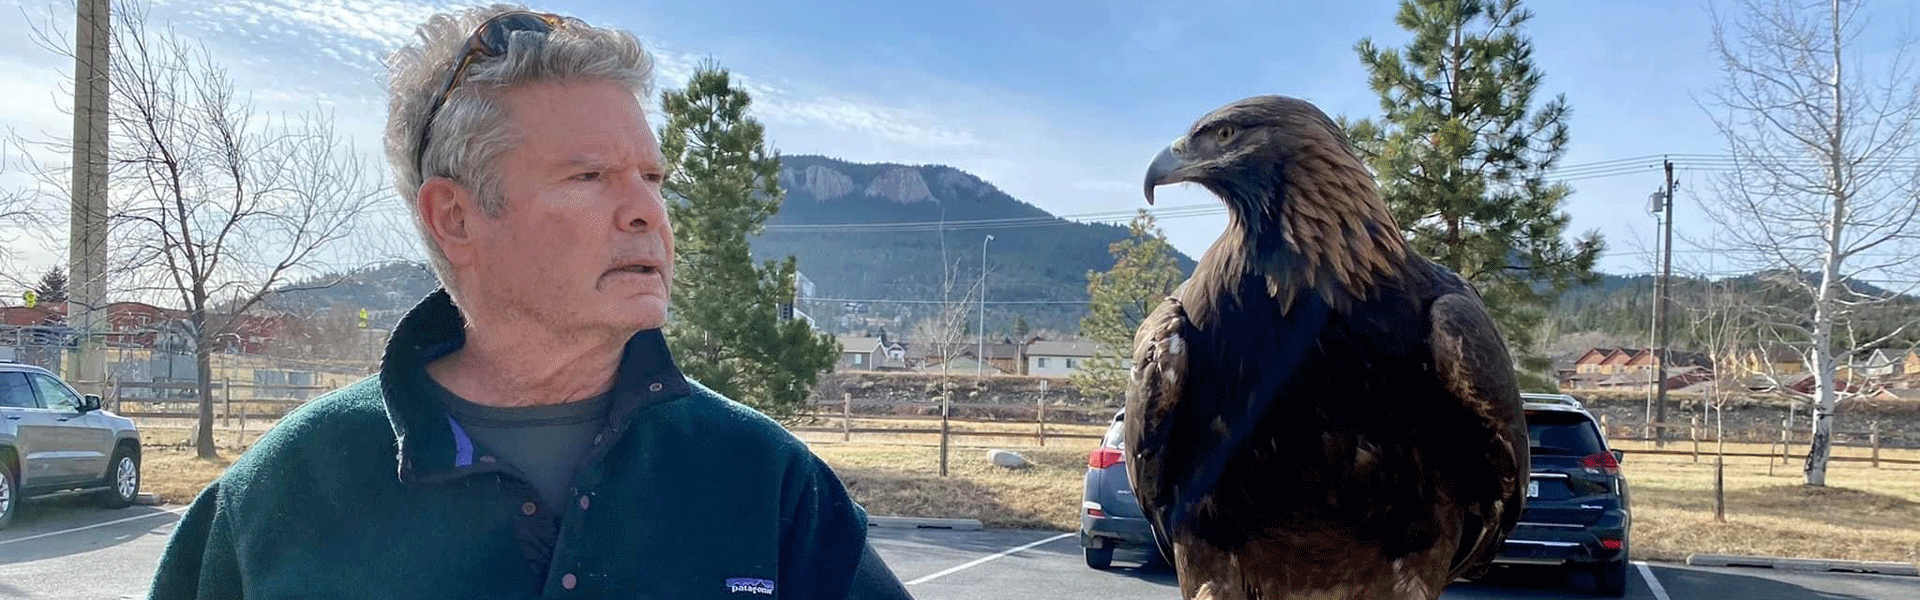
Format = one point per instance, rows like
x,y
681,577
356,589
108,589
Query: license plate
x,y
1533,488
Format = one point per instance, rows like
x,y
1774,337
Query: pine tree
x,y
726,329
1021,329
1462,155
52,287
1144,273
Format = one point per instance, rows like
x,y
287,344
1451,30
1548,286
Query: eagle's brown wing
x,y
1472,362
1156,377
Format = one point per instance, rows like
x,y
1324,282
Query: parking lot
x,y
68,550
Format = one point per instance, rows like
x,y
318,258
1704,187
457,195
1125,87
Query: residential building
x,y
1057,359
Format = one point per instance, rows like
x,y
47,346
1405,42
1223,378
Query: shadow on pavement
x,y
1686,582
1144,565
1554,582
40,517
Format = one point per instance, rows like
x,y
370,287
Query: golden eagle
x,y
1318,412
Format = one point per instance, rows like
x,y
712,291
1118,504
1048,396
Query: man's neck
x,y
529,369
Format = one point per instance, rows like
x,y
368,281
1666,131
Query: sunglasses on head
x,y
489,40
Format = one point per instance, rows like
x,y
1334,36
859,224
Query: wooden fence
x,y
229,411
1790,438
1038,415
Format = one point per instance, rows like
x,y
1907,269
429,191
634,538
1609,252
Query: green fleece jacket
x,y
372,491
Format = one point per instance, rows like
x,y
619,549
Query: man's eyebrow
x,y
582,161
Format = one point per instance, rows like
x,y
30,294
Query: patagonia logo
x,y
750,585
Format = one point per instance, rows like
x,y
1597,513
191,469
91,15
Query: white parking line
x,y
978,561
84,528
1659,592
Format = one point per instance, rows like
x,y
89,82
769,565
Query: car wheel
x,y
1610,579
123,480
9,496
1099,558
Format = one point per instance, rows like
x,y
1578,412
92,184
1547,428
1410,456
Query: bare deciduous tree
x,y
21,211
943,337
212,205
1822,190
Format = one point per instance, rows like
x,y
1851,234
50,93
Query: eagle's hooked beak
x,y
1168,167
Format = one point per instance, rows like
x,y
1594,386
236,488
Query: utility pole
x,y
980,366
87,229
1661,315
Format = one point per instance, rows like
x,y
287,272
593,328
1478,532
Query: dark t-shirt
x,y
543,443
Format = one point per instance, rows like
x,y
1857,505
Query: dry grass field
x,y
1864,513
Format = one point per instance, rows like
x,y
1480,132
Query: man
x,y
528,434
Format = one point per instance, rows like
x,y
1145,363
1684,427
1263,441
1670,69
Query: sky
x,y
1060,104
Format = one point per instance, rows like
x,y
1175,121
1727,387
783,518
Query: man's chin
x,y
643,312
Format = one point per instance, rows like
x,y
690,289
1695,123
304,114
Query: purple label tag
x,y
750,585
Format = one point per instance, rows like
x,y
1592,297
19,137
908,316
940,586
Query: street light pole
x,y
980,366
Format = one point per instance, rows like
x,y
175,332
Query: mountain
x,y
387,291
887,255
867,235
1621,307
889,247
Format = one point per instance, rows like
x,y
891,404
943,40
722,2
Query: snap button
x,y
528,509
568,581
487,458
655,387
584,502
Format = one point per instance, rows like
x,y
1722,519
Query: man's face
x,y
584,242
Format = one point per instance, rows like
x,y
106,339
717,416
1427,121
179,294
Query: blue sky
x,y
1060,104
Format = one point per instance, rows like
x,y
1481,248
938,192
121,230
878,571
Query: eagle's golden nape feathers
x,y
1319,412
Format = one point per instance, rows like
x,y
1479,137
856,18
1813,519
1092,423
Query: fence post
x,y
226,403
1694,432
1786,433
1043,413
846,416
1606,431
1873,438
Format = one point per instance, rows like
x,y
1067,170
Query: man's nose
x,y
642,206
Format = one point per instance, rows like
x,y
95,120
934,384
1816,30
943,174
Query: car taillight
x,y
1602,462
1611,544
1105,457
1093,509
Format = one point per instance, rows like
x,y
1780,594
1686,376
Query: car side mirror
x,y
1619,457
89,403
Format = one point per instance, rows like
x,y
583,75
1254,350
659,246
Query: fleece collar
x,y
432,446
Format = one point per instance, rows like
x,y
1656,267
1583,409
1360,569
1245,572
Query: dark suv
x,y
1577,512
1110,517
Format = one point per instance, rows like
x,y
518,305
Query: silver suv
x,y
54,441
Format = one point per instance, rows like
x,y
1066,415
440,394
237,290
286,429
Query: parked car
x,y
54,441
1110,517
1578,513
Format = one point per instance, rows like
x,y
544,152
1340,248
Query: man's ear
x,y
445,207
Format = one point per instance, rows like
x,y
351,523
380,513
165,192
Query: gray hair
x,y
473,131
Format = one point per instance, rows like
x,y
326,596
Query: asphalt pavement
x,y
66,549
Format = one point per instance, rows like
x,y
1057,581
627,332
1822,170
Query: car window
x,y
15,393
54,395
1116,436
1562,433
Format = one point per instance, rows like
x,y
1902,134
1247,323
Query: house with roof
x,y
1886,366
872,353
1047,358
1635,368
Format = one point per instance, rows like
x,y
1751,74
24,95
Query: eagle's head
x,y
1255,154
1297,193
